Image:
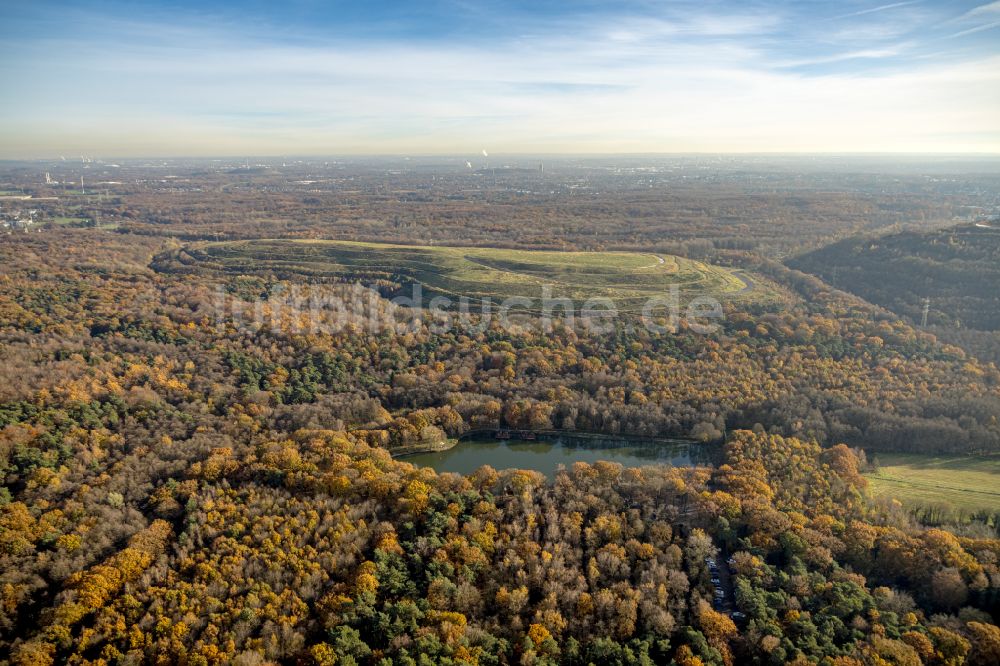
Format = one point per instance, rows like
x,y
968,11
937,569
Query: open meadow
x,y
968,483
629,279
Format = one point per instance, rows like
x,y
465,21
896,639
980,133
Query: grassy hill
x,y
628,278
957,268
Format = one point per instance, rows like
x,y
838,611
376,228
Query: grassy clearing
x,y
970,483
628,278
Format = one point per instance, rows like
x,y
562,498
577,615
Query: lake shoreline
x,y
432,447
546,451
491,434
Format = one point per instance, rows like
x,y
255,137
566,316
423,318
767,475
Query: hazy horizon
x,y
476,160
452,78
104,156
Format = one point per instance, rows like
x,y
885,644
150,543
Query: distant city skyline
x,y
454,77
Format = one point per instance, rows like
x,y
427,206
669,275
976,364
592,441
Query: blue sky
x,y
301,77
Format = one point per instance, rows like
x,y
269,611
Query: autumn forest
x,y
184,483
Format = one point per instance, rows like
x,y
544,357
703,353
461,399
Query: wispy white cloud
x,y
990,12
988,9
701,83
975,29
880,8
869,54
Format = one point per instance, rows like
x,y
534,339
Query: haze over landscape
x,y
309,78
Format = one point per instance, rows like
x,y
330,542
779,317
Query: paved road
x,y
726,580
659,260
746,278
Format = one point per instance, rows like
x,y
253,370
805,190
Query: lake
x,y
548,453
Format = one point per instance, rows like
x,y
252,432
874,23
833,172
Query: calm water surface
x,y
554,452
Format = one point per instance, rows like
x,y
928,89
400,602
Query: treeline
x,y
318,549
957,269
175,483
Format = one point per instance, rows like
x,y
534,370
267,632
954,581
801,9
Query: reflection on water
x,y
547,456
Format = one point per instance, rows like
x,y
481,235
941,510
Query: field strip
x,y
923,484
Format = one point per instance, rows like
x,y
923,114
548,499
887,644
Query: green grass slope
x,y
628,278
